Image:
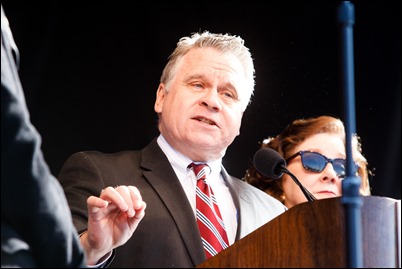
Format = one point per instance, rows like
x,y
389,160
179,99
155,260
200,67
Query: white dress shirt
x,y
188,180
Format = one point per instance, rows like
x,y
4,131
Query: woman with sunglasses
x,y
314,150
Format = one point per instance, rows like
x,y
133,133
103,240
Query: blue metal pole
x,y
350,185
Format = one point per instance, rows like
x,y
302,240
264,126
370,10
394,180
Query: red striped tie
x,y
209,220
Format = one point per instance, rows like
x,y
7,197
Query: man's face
x,y
201,113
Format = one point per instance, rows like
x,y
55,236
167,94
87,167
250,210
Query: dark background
x,y
90,72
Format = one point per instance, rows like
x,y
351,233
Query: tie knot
x,y
201,170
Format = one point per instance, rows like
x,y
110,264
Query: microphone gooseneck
x,y
306,193
269,163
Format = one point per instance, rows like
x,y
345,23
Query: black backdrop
x,y
90,72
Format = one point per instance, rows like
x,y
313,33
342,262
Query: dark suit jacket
x,y
168,235
36,225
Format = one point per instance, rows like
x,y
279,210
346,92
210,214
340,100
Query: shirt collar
x,y
180,162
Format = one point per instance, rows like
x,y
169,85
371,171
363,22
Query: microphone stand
x,y
350,185
306,193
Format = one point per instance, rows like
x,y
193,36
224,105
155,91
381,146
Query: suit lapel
x,y
160,174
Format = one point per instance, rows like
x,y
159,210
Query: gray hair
x,y
224,43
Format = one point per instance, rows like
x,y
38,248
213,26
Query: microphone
x,y
269,163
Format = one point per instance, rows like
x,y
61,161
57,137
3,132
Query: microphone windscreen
x,y
268,162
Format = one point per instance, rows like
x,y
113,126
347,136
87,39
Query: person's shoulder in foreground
x,y
36,226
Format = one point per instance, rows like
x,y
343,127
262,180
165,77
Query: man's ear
x,y
160,97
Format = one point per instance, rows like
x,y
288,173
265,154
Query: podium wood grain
x,y
312,235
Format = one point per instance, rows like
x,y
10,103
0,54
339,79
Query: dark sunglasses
x,y
316,162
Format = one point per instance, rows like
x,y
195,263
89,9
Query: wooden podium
x,y
312,235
